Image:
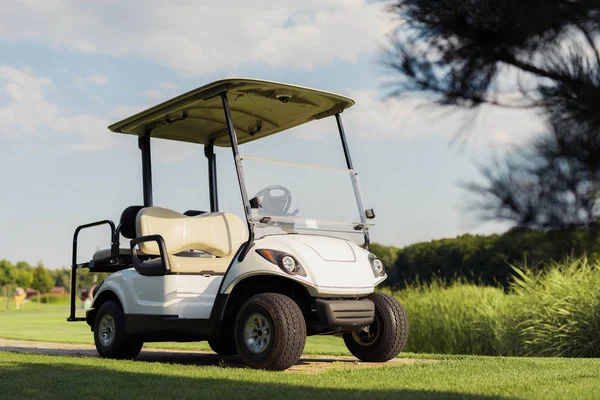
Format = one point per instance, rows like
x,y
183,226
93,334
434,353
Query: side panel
x,y
185,296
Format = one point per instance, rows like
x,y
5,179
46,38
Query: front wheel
x,y
223,346
270,332
385,338
110,334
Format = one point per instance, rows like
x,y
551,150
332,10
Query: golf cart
x,y
255,287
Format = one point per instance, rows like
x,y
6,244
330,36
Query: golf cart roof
x,y
258,109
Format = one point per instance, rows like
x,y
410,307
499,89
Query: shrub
x,y
51,299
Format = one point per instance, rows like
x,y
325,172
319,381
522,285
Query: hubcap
x,y
369,334
257,333
106,330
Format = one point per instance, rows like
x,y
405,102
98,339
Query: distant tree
x,y
7,277
23,278
62,277
523,54
7,273
387,254
24,266
42,280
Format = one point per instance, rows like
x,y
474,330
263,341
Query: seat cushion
x,y
219,234
104,254
199,265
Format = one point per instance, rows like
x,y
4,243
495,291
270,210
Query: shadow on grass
x,y
47,379
188,357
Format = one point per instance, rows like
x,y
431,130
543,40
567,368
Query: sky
x,y
68,69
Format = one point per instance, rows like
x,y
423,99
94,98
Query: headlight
x,y
286,262
377,266
289,264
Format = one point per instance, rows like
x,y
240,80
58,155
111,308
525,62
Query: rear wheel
x,y
270,332
385,338
110,334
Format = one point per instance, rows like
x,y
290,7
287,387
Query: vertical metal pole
x,y
73,278
209,152
354,178
73,289
338,119
238,168
144,145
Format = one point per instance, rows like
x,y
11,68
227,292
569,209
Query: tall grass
x,y
554,313
558,312
454,319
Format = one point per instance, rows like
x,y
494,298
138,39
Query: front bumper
x,y
345,315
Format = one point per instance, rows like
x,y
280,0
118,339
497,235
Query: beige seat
x,y
219,235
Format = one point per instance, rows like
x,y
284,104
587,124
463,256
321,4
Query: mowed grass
x,y
49,324
453,377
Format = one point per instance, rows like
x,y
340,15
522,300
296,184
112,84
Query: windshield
x,y
300,198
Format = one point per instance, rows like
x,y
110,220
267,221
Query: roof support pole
x,y
144,145
338,119
355,185
240,174
209,152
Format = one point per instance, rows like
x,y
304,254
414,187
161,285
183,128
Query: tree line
x,y
42,279
486,259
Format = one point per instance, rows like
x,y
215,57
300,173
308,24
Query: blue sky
x,y
70,68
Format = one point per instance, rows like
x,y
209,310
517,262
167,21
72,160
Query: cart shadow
x,y
306,363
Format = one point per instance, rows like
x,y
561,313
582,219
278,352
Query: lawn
x,y
465,377
37,376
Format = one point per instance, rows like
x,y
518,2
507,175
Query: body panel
x,y
186,296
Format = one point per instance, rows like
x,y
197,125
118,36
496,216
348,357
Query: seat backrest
x,y
219,234
127,222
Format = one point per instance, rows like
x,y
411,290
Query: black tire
x,y
387,334
223,346
282,342
111,338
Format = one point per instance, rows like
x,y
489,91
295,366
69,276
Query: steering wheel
x,y
274,203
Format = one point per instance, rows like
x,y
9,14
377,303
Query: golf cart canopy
x,y
258,109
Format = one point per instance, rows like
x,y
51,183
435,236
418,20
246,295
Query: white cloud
x,y
198,36
27,111
378,118
163,92
95,79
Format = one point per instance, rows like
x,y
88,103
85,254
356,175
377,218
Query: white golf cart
x,y
255,288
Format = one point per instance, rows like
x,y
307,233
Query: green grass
x,y
37,376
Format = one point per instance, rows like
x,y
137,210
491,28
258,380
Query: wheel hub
x,y
257,333
106,330
369,334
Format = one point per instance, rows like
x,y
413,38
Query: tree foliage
x,y
7,272
42,280
526,53
487,259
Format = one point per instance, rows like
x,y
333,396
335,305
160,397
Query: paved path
x,y
306,364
